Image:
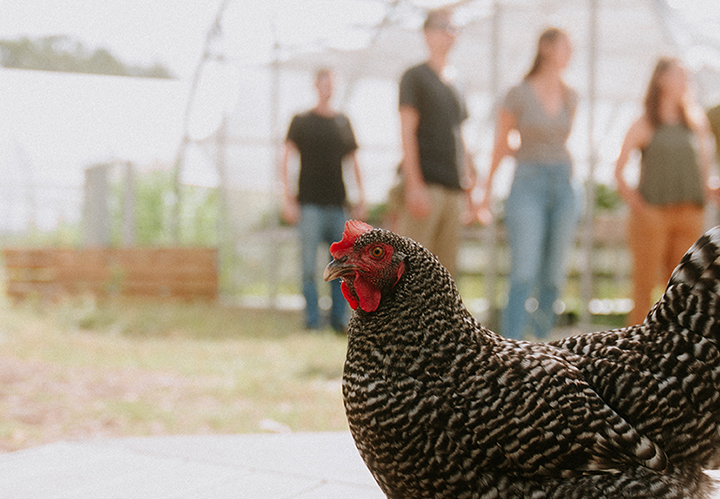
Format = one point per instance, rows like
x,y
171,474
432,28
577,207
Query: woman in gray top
x,y
542,209
666,208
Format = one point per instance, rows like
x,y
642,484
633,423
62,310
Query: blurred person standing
x,y
436,170
666,208
543,207
324,139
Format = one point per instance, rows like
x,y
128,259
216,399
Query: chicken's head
x,y
368,264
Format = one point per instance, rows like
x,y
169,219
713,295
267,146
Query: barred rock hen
x,y
441,407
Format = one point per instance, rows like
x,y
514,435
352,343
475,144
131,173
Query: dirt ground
x,y
47,403
84,370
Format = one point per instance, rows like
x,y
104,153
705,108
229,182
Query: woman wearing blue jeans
x,y
542,209
540,220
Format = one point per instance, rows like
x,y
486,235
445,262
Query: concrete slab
x,y
307,466
268,466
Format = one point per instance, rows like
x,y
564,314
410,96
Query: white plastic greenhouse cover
x,y
262,56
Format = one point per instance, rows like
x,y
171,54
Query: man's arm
x,y
417,197
359,211
290,206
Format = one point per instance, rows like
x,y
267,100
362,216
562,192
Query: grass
x,y
84,369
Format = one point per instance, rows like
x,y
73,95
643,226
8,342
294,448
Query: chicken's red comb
x,y
353,229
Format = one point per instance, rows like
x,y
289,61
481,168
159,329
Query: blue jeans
x,y
320,224
541,216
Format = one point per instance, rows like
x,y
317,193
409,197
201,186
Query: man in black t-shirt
x,y
323,138
435,167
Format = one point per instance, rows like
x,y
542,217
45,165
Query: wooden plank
x,y
186,273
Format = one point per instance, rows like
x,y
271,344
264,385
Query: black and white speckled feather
x,y
440,407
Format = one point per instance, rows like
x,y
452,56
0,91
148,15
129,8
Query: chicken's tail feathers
x,y
701,262
692,297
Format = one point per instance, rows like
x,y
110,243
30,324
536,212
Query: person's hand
x,y
484,213
417,201
291,211
712,190
359,211
715,195
469,213
633,199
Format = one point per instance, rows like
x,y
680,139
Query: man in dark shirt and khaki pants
x,y
435,164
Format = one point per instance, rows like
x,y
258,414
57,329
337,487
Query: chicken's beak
x,y
338,268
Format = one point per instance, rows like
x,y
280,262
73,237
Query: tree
x,y
62,53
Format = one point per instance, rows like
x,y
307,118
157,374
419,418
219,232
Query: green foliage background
x,y
154,205
62,53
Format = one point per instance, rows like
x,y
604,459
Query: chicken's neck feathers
x,y
425,307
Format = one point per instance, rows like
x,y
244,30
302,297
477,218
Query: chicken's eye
x,y
377,252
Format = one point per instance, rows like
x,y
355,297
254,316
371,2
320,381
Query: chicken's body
x,y
440,407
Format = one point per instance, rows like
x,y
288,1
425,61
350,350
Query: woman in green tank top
x,y
666,207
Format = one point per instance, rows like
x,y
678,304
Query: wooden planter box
x,y
185,273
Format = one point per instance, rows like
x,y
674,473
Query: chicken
x,y
440,407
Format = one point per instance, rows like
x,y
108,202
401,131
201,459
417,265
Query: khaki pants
x,y
658,237
439,232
